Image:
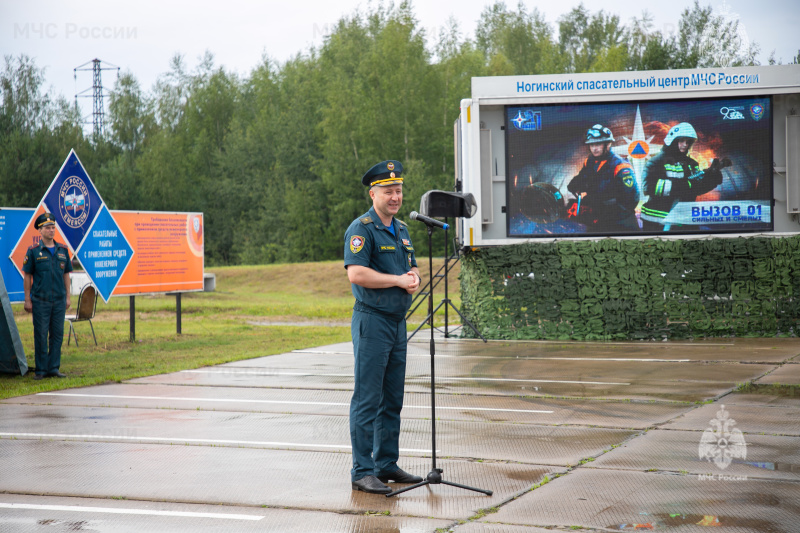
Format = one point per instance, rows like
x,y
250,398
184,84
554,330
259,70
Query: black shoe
x,y
400,476
57,375
37,377
372,485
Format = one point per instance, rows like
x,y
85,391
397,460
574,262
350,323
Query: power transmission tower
x,y
98,109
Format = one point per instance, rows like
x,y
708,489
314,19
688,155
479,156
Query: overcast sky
x,y
141,36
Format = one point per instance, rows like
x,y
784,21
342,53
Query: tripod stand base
x,y
435,478
464,321
435,475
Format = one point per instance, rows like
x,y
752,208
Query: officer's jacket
x,y
48,271
368,243
666,184
610,187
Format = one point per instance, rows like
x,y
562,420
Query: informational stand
x,y
13,223
124,253
12,356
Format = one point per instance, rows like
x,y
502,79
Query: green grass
x,y
772,389
217,327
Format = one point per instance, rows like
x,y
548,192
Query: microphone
x,y
427,220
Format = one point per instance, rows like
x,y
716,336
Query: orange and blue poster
x,y
167,252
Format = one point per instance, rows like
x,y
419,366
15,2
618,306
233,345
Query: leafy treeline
x,y
274,159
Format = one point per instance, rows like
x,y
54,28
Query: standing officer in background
x,y
382,269
47,267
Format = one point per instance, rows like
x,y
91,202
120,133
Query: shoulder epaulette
x,y
366,220
402,223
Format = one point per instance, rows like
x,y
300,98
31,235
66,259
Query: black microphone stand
x,y
446,301
435,475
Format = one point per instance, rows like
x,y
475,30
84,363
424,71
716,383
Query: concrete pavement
x,y
598,436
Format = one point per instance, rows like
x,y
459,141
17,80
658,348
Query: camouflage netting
x,y
624,289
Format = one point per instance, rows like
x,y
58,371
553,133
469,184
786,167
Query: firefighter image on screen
x,y
605,188
672,176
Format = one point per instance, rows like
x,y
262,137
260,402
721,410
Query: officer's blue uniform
x,y
379,344
49,300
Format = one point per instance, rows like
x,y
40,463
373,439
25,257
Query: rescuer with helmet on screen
x,y
672,176
605,188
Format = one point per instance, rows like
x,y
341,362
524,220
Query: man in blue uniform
x,y
605,187
382,269
47,267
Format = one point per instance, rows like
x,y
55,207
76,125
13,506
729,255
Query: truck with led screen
x,y
679,154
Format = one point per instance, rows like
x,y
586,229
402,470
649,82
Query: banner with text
x,y
125,252
167,252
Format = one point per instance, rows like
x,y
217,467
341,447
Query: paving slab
x,y
523,443
618,500
767,457
567,352
512,409
636,391
604,372
750,350
482,527
449,368
33,514
763,399
246,477
674,391
788,374
592,379
270,436
743,350
750,419
340,348
738,349
199,398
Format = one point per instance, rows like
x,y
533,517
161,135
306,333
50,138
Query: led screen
x,y
649,167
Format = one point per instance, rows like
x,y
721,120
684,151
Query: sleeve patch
x,y
356,243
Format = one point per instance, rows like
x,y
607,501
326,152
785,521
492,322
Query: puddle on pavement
x,y
65,525
648,522
777,467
